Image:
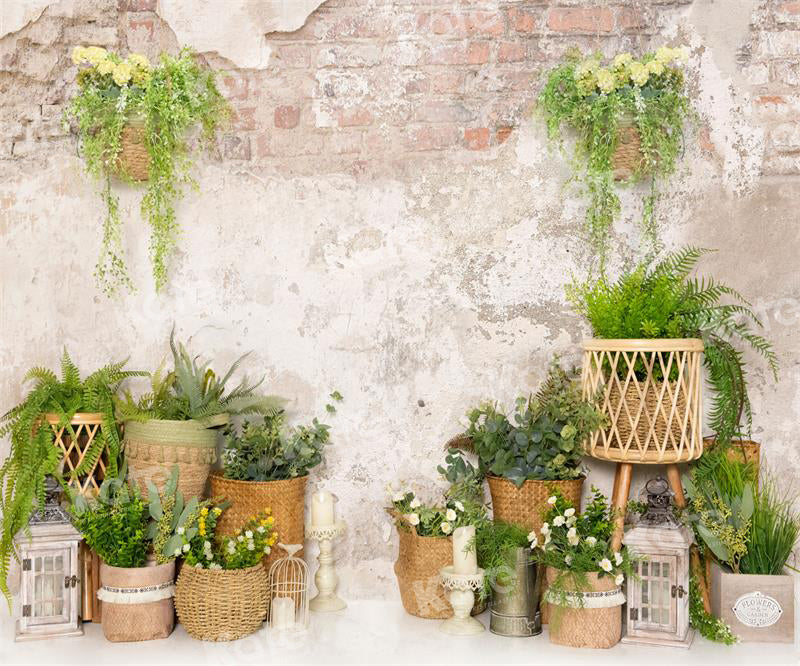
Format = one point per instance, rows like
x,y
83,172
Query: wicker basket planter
x,y
133,160
221,605
650,421
286,499
589,626
525,505
627,157
743,450
137,603
87,426
153,447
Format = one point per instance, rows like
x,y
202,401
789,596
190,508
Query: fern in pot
x,y
267,463
536,450
64,426
134,121
177,422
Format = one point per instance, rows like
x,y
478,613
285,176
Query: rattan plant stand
x,y
650,391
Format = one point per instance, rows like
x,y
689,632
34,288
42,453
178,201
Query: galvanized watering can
x,y
515,602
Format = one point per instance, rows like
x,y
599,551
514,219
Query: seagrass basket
x,y
588,627
153,447
526,505
286,500
219,604
651,394
133,160
627,157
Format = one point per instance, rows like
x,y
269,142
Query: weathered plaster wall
x,y
383,217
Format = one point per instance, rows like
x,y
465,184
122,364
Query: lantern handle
x,y
291,548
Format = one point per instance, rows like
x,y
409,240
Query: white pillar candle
x,y
282,613
465,556
322,513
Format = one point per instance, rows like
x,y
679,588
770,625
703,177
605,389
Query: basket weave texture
x,y
417,569
650,421
87,426
526,505
627,157
286,499
586,627
137,622
153,447
133,160
221,605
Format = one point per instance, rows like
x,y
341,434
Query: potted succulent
x,y
63,426
584,575
177,422
628,116
536,451
137,540
425,531
267,464
749,534
133,120
654,327
222,591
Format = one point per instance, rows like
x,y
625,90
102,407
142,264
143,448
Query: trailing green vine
x,y
169,99
596,101
710,627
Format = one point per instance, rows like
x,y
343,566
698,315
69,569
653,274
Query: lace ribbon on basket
x,y
136,595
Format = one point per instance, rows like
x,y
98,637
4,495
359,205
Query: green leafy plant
x,y
659,299
710,627
496,545
466,481
33,454
543,440
576,544
594,101
192,390
170,98
270,451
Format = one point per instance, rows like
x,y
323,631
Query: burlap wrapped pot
x,y
285,498
153,447
137,603
221,605
527,504
588,626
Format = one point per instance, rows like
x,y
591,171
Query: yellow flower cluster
x,y
135,69
591,76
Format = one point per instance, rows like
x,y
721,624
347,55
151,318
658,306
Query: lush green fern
x,y
661,300
192,390
33,455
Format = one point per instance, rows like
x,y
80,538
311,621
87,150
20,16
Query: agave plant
x,y
192,390
33,455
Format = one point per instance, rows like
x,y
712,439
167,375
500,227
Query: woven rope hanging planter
x,y
651,394
627,157
133,159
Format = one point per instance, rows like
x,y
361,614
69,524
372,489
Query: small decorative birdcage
x,y
288,585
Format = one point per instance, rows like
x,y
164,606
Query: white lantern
x,y
50,586
658,602
288,585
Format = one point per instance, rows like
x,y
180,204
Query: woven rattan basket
x,y
286,500
743,450
131,621
526,505
586,627
87,427
627,157
222,605
133,160
153,447
650,420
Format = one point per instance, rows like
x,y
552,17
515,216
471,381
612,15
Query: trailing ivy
x,y
170,98
595,100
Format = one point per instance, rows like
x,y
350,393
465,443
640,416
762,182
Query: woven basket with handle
x,y
526,505
153,447
286,500
133,160
221,605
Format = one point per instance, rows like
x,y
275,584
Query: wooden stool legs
x,y
622,489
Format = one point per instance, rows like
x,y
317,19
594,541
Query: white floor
x,y
370,632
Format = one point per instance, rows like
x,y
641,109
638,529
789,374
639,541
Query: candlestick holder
x,y
461,594
326,579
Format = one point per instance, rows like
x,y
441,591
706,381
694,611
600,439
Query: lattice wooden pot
x,y
651,394
153,447
87,428
526,504
286,500
627,157
133,160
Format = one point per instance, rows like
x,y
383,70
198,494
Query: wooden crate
x,y
758,608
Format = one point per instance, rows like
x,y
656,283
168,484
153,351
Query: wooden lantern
x,y
50,582
658,602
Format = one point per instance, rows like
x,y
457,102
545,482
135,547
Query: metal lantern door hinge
x,y
26,564
678,591
634,613
26,610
